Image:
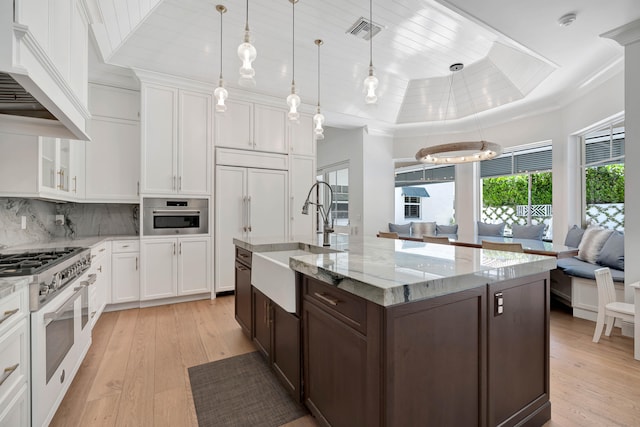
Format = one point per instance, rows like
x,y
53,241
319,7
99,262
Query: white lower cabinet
x,y
175,266
100,289
14,360
125,269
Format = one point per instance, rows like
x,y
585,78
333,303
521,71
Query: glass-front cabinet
x,y
57,169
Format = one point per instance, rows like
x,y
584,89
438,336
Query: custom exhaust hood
x,y
43,71
16,101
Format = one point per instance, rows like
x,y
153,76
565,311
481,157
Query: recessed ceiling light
x,y
566,20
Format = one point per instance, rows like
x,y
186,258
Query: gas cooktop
x,y
34,261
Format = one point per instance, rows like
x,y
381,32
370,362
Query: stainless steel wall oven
x,y
162,216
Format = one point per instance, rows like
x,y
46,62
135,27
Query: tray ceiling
x,y
514,52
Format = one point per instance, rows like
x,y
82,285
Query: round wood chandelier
x,y
459,152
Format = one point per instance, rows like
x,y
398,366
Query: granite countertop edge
x,y
396,293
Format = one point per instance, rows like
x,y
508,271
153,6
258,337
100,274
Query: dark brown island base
x,y
464,348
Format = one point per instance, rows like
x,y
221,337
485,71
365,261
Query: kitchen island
x,y
399,333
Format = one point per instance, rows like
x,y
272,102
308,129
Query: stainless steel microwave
x,y
169,217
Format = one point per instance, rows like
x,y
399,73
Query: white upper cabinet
x,y
176,141
250,126
41,167
301,139
113,155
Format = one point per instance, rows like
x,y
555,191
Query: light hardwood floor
x,y
135,373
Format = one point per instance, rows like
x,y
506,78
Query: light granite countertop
x,y
389,271
9,285
84,242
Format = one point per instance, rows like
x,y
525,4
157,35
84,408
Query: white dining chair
x,y
608,308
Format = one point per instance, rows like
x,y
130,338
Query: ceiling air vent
x,y
364,29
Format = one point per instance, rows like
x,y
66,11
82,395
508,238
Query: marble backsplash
x,y
80,220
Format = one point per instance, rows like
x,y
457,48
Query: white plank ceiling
x,y
514,51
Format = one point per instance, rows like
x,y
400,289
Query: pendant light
x,y
318,118
293,100
459,152
247,54
220,93
371,81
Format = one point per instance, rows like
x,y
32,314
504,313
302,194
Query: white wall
x,y
378,183
345,145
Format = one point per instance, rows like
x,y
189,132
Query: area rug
x,y
241,391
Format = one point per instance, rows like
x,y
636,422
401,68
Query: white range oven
x,y
60,324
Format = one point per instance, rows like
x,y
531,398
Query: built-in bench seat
x,y
574,284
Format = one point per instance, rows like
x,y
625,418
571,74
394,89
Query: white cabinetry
x,y
302,171
251,126
175,267
15,359
176,141
42,167
113,155
125,265
301,138
100,289
250,202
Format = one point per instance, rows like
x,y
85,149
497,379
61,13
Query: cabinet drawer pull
x,y
328,300
125,246
241,268
101,250
7,372
7,314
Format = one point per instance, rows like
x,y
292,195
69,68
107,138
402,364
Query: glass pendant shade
x,y
318,121
293,101
247,54
221,95
370,86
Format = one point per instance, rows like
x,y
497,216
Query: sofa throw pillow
x,y
400,228
612,253
447,229
420,229
592,242
485,229
574,236
528,231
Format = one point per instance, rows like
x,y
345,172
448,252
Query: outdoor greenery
x,y
513,190
605,184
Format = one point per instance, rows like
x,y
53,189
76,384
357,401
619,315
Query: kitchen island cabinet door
x,y
159,274
261,322
342,356
243,296
285,349
518,349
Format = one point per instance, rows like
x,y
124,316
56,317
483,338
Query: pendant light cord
x,y
221,44
246,24
475,111
293,44
370,33
319,74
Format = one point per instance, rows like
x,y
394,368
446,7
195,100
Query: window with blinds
x,y
412,207
604,147
517,162
426,176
